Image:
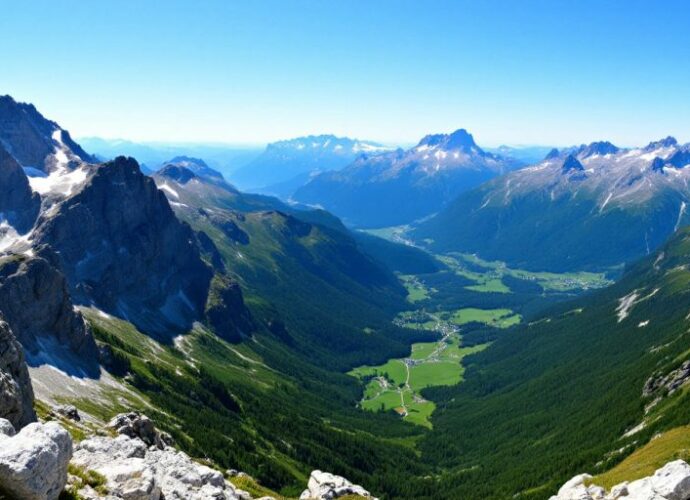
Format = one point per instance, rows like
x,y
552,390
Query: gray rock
x,y
326,486
68,411
6,428
28,136
135,471
136,425
671,482
16,392
35,302
33,463
19,205
122,248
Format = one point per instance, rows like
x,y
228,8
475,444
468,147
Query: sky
x,y
550,72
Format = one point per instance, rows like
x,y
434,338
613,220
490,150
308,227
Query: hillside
x,y
579,389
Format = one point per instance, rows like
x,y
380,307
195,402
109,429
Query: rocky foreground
x,y
671,482
133,461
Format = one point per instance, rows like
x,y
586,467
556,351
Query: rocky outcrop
x,y
668,383
326,486
35,302
134,471
136,425
122,248
16,393
226,312
33,462
671,482
19,205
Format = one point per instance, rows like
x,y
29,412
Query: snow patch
x,y
61,181
165,187
642,324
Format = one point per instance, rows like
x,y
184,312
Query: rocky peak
x,y
553,154
19,205
680,158
658,164
458,140
598,148
667,142
123,250
572,164
16,393
32,139
35,302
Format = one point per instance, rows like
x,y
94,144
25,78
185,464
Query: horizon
x,y
251,74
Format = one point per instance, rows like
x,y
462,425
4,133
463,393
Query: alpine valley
x,y
495,330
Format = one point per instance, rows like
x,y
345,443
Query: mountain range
x,y
236,322
593,206
402,186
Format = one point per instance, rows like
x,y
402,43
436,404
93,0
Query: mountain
x,y
402,186
298,260
226,158
592,206
291,162
34,141
579,388
195,165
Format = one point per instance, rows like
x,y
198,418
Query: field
x,y
488,275
416,290
395,385
499,318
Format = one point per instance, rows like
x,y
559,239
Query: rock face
x,y
31,138
135,471
33,463
36,304
671,482
326,486
19,205
122,249
226,313
16,393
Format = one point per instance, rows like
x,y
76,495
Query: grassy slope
x,y
559,394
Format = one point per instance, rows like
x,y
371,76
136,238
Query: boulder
x,y
136,425
33,463
326,486
16,392
68,411
671,482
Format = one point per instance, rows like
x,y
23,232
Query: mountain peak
x,y
666,142
460,139
195,166
572,164
554,153
177,173
599,148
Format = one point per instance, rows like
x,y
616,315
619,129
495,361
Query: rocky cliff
x,y
122,249
16,393
35,302
19,205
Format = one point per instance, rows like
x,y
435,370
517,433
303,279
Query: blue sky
x,y
517,72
